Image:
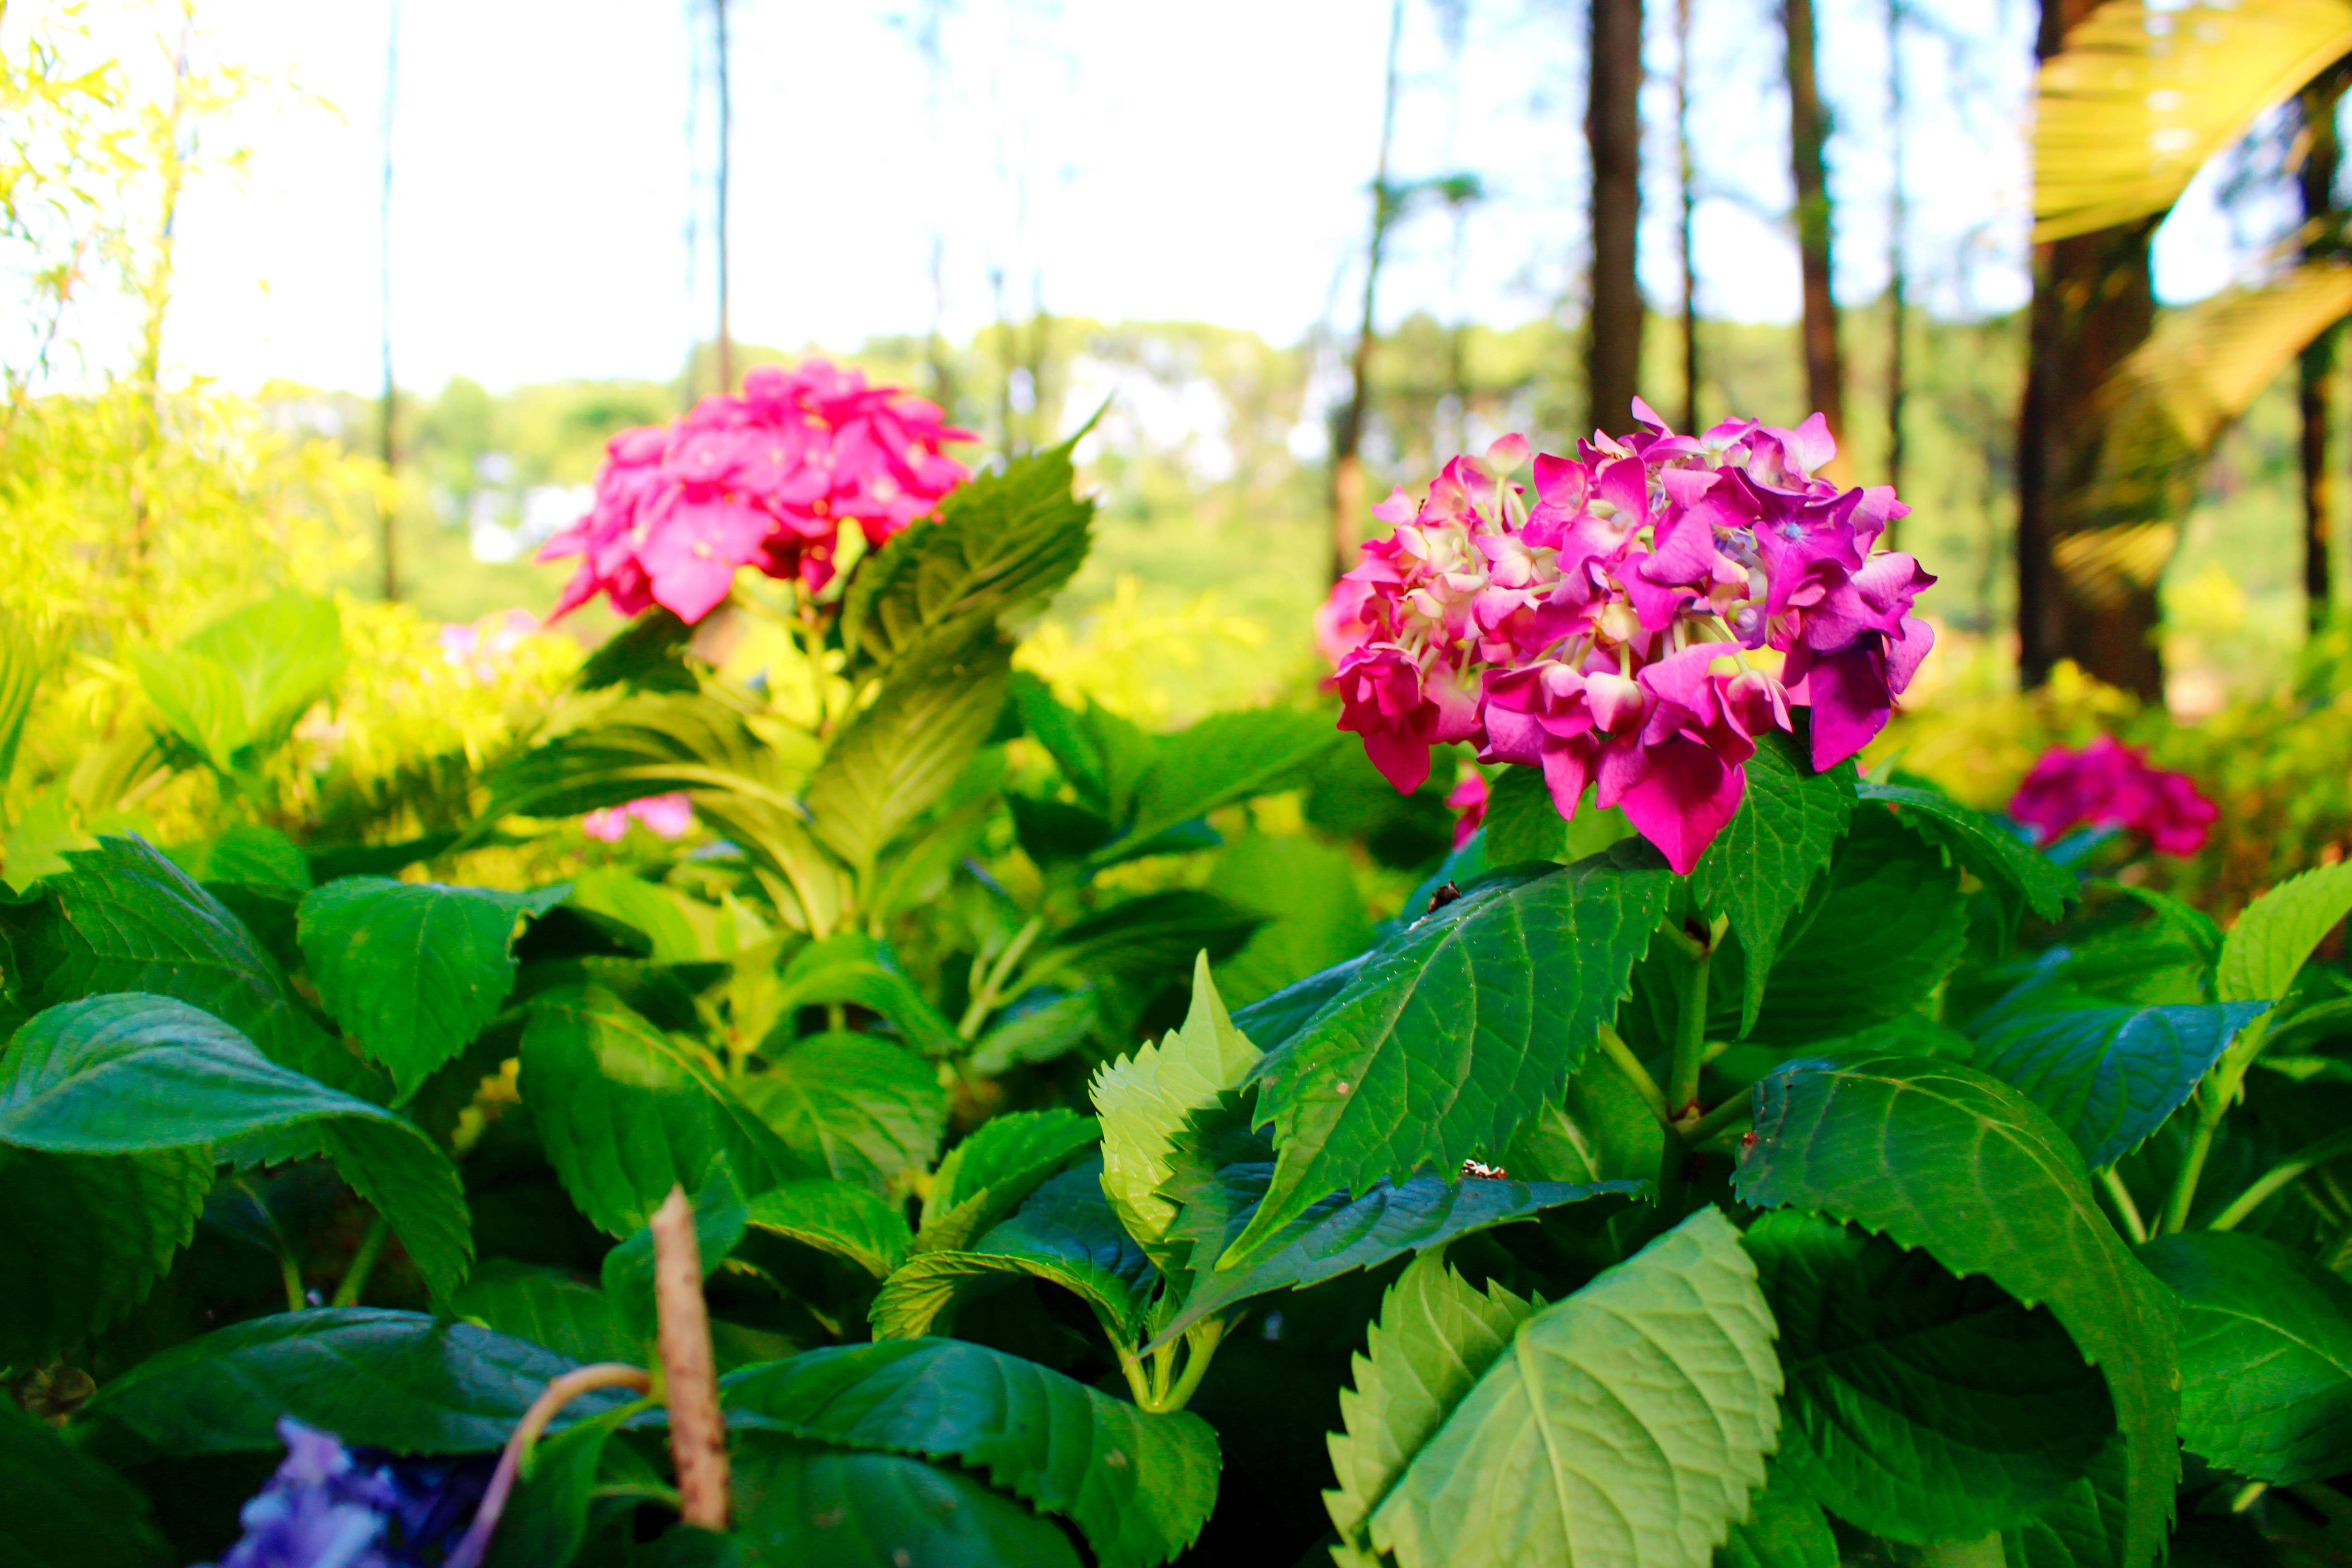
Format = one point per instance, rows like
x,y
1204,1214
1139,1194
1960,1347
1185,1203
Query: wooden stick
x,y
698,1432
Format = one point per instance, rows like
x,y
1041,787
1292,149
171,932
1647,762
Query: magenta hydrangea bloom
x,y
766,479
1601,633
665,817
2109,785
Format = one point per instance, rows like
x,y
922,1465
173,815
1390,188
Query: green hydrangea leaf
x,y
817,1507
991,1174
1769,855
853,1106
843,1218
60,1509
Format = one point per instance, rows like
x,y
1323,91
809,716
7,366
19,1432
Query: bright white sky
x,y
1207,160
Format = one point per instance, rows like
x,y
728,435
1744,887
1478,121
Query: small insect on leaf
x,y
1479,1170
1446,893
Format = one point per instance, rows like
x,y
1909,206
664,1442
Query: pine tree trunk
x,y
2093,305
1686,176
2316,377
387,510
726,140
1808,136
1899,223
1612,132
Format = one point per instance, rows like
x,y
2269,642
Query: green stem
x,y
355,1278
2126,1210
1614,1047
291,1274
985,1000
2246,1495
2278,1177
1201,1344
1690,1046
1732,1112
1982,1553
2192,1166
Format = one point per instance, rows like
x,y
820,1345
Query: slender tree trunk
x,y
1348,436
2316,377
1808,136
1613,133
1687,177
170,157
388,510
2093,305
1898,225
726,140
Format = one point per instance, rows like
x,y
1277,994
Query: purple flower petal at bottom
x,y
332,1507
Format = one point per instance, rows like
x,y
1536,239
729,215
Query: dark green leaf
x,y
126,919
2107,1075
1065,1233
608,752
1761,865
1001,544
1453,1032
1277,1019
1144,937
2265,1356
1138,1486
391,1379
1877,936
1784,1529
815,1506
1523,823
1339,1233
86,1236
1040,1029
899,755
544,1305
719,1216
257,856
546,1520
625,1113
2018,876
1225,758
413,970
1936,1155
851,1107
1314,910
852,967
842,1218
991,1174
60,1509
1920,1406
135,1074
2088,1527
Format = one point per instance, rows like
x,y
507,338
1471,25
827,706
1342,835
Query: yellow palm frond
x,y
2204,365
2140,98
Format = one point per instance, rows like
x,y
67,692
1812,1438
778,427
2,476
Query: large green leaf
x,y
2019,877
2088,1527
1435,1337
1143,939
852,1107
816,1507
1339,1234
1936,1155
899,755
125,919
1920,1406
413,970
1144,1100
1225,758
2266,948
134,1074
401,1381
852,967
610,752
1877,936
237,688
23,667
625,1113
1784,1529
60,1509
1523,822
1065,1233
2143,97
86,1236
1626,1426
991,1174
1452,1033
1769,855
545,1307
2107,1075
843,1218
1314,908
2265,1356
1138,1486
1001,544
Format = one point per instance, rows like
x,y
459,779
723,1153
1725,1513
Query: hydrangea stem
x,y
698,1432
544,1409
1690,1043
1614,1047
355,1278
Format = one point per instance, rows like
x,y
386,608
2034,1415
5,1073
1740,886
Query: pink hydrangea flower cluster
x,y
2110,784
1604,635
664,816
1468,803
768,479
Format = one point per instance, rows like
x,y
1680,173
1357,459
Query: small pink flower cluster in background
x,y
1603,634
664,816
480,647
2110,784
766,479
1469,800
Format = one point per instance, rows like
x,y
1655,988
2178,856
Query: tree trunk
x,y
726,140
1808,135
2093,305
1899,223
388,510
1613,133
2315,379
1348,435
1687,176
